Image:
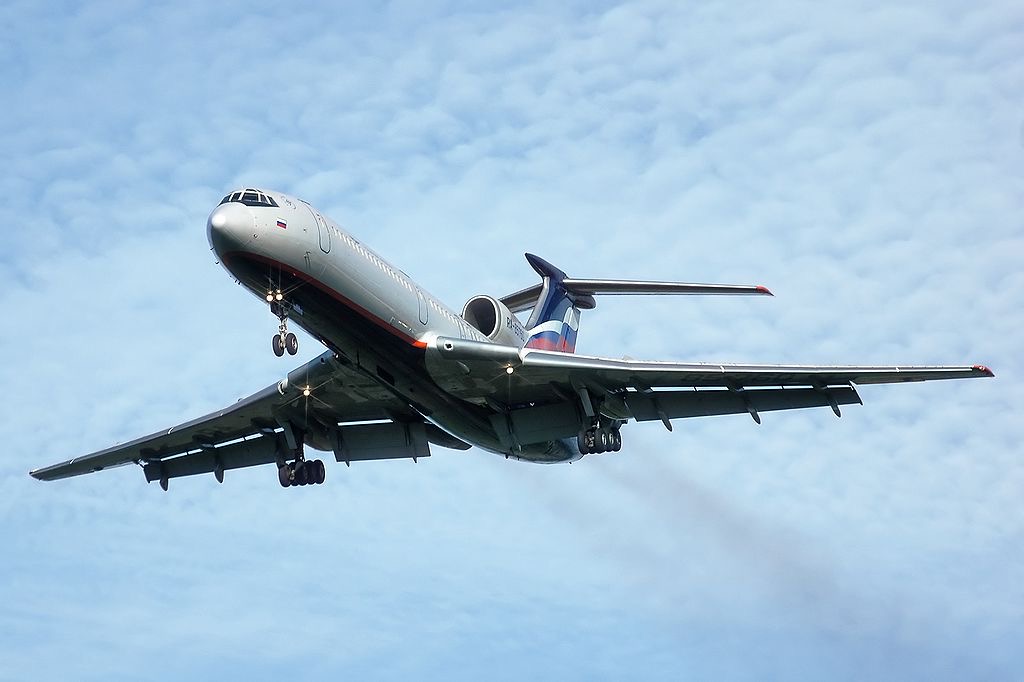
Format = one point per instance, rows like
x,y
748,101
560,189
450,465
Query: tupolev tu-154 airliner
x,y
402,371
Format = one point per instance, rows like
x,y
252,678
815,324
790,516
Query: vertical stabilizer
x,y
555,319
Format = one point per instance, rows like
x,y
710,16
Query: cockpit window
x,y
250,197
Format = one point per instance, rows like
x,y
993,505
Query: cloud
x,y
861,161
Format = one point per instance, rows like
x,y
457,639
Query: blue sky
x,y
864,162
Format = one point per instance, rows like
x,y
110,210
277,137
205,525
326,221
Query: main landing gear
x,y
598,439
302,472
283,340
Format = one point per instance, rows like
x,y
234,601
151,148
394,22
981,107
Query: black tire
x,y
301,474
616,441
581,443
278,346
321,472
602,440
284,476
291,343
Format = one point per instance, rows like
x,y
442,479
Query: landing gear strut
x,y
302,472
598,439
283,340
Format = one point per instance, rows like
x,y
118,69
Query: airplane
x,y
403,372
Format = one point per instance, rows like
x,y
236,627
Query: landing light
x,y
279,296
305,392
270,297
509,370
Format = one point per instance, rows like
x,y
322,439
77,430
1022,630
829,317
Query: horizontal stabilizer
x,y
594,287
582,290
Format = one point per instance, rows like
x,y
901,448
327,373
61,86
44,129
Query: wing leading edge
x,y
730,375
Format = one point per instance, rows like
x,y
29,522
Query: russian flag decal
x,y
282,224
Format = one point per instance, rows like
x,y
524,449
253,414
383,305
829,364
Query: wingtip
x,y
764,290
983,370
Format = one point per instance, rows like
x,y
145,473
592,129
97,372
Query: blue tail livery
x,y
555,319
557,301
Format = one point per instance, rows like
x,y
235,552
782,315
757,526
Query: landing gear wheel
x,y
616,440
582,443
291,344
300,474
320,472
593,441
284,476
278,345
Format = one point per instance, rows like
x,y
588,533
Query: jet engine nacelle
x,y
494,320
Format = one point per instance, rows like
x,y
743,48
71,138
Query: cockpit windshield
x,y
250,197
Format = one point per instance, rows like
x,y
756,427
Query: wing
x,y
624,389
313,399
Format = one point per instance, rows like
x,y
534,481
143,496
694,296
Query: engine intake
x,y
494,320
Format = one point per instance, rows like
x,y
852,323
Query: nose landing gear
x,y
283,340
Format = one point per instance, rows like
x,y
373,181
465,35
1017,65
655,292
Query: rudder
x,y
555,320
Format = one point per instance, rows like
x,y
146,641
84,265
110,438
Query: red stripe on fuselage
x,y
347,302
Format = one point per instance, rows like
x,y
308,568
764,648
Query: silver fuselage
x,y
361,308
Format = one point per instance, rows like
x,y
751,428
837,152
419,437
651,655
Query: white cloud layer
x,y
864,162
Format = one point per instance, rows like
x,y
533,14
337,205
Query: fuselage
x,y
358,305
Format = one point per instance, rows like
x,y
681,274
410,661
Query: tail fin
x,y
555,319
558,300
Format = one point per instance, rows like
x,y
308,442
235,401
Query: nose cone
x,y
230,227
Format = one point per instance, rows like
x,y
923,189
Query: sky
x,y
864,162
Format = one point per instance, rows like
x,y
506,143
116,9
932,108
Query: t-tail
x,y
558,300
555,319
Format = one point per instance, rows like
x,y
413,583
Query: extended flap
x,y
392,440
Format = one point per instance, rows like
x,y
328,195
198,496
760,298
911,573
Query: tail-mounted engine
x,y
494,320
